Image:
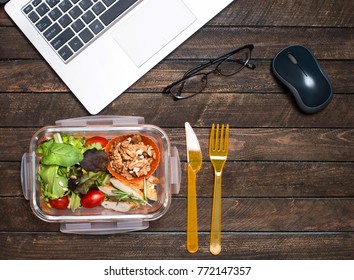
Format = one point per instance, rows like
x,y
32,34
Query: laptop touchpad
x,y
151,27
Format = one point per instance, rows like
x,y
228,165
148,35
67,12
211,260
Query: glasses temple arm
x,y
202,66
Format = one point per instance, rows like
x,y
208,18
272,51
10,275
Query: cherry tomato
x,y
92,199
59,203
97,140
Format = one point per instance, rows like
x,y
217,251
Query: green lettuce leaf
x,y
53,185
61,154
74,201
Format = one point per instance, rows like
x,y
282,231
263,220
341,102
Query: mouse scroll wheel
x,y
292,58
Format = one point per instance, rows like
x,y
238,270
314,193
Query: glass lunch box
x,y
100,220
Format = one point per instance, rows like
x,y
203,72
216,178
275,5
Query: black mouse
x,y
300,71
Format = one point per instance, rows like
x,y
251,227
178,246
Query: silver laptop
x,y
99,48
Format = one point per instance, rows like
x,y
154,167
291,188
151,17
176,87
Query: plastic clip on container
x,y
100,220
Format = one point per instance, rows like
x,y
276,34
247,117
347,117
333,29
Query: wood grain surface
x,y
288,185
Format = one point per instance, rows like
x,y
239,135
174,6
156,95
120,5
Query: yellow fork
x,y
218,149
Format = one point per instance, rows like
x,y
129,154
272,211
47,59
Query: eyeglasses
x,y
194,81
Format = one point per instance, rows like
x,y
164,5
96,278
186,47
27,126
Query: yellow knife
x,y
194,159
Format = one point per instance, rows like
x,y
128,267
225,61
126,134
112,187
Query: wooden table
x,y
288,188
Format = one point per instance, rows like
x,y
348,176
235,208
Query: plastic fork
x,y
218,150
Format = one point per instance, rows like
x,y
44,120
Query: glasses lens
x,y
189,86
234,63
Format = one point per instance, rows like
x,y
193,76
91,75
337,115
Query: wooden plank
x,y
254,144
37,76
268,110
11,179
321,246
246,179
212,42
287,13
279,13
238,215
267,40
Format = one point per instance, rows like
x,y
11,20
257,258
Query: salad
x,y
73,174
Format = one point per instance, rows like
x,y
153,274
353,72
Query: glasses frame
x,y
196,71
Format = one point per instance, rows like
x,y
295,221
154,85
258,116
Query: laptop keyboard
x,y
69,25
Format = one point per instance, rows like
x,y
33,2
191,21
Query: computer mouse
x,y
301,73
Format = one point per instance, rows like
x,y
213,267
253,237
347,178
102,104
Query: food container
x,y
100,220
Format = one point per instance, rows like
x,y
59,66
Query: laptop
x,y
99,48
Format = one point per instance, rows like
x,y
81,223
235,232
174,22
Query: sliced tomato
x,y
92,199
59,203
97,140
